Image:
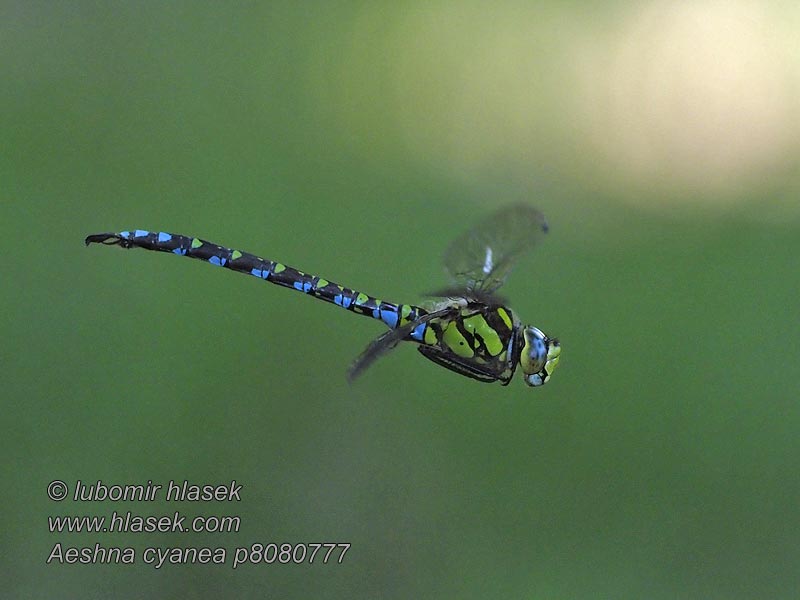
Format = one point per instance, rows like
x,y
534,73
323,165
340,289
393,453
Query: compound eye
x,y
538,353
539,356
534,352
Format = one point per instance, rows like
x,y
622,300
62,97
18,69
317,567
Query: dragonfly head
x,y
539,357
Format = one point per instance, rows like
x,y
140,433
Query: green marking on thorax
x,y
454,340
506,318
430,336
478,326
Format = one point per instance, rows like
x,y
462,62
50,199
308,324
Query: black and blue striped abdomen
x,y
393,315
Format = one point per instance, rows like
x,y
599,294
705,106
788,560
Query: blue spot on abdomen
x,y
302,286
389,317
342,300
164,237
419,332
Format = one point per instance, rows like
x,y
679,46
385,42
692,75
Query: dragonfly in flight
x,y
465,328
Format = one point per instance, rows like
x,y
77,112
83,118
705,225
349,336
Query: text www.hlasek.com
x,y
128,522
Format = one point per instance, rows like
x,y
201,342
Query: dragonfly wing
x,y
481,259
387,342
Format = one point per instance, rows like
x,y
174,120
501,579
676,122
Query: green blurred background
x,y
354,140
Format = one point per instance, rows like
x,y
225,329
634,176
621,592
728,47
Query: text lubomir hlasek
x,y
175,491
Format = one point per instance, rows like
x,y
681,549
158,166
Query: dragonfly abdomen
x,y
393,315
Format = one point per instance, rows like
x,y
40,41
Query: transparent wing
x,y
386,342
480,260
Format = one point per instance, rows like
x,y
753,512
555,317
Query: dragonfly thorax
x,y
539,356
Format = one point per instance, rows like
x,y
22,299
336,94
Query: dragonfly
x,y
466,327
